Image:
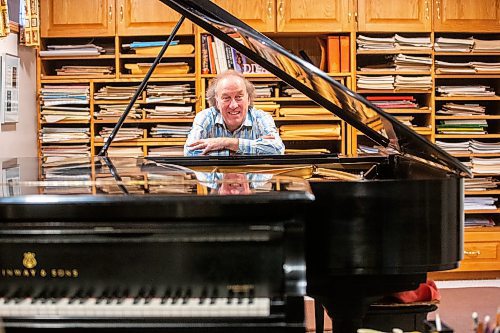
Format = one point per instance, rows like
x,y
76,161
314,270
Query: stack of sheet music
x,y
459,147
109,111
479,147
470,146
462,126
162,68
480,203
470,90
166,151
115,93
154,47
72,50
264,90
406,62
413,43
481,45
305,131
84,70
480,184
125,133
484,166
458,109
486,67
376,43
444,44
58,159
173,93
169,131
396,42
394,102
478,221
54,114
124,152
384,82
64,94
169,111
413,82
64,134
444,67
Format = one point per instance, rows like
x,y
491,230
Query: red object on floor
x,y
426,292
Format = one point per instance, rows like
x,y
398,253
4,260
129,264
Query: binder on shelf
x,y
345,64
333,50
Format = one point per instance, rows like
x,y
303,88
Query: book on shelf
x,y
162,68
345,54
333,52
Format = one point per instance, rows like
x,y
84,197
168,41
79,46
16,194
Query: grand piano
x,y
368,227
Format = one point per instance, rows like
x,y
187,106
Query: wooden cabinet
x,y
70,18
98,18
259,14
313,16
467,15
147,17
481,250
292,16
394,15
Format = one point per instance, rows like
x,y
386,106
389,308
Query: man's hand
x,y
214,144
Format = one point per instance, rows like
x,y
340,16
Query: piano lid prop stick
x,y
140,89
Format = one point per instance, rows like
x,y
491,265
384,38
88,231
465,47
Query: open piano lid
x,y
379,126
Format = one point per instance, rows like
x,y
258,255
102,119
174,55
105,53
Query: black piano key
x,y
251,295
230,296
204,295
177,295
151,294
166,296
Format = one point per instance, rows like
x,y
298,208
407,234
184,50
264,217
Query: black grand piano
x,y
373,225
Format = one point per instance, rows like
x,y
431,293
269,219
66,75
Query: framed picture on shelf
x,y
9,88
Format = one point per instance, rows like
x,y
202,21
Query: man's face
x,y
232,101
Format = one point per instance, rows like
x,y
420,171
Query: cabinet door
x,y
75,18
394,15
312,15
467,15
147,17
259,14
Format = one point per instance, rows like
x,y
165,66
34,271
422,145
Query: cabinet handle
x,y
438,9
110,13
270,10
426,9
356,17
281,10
473,253
349,15
121,13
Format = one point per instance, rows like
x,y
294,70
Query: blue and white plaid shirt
x,y
209,124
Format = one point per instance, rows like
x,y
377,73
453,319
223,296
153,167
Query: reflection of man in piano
x,y
234,183
231,125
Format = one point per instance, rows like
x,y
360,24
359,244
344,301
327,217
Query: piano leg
x,y
347,299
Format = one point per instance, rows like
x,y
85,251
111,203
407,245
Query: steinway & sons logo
x,y
29,269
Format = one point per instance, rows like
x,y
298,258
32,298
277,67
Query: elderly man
x,y
231,125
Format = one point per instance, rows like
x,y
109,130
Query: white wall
x,y
19,140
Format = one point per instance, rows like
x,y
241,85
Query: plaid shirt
x,y
209,124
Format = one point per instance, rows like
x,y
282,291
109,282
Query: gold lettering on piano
x,y
29,262
240,288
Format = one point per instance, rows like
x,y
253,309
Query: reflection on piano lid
x,y
379,126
